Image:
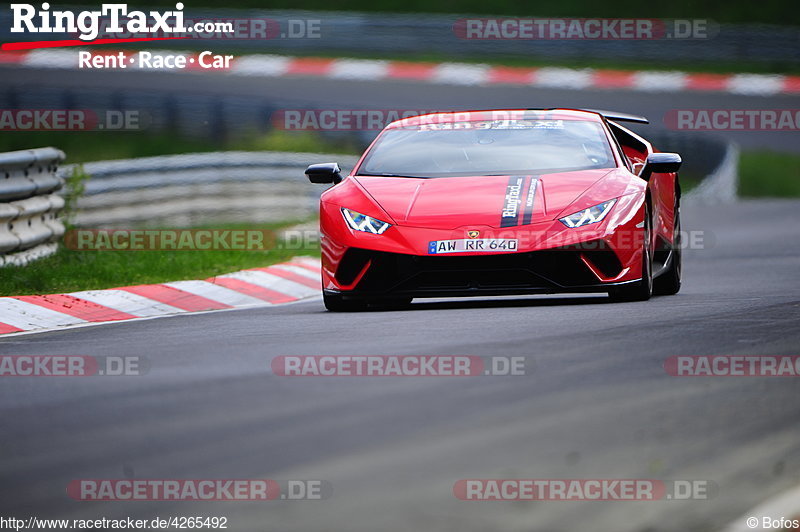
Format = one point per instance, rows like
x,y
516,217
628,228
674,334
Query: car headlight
x,y
362,222
592,215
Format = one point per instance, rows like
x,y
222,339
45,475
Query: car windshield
x,y
498,147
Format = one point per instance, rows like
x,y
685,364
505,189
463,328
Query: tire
x,y
336,303
641,290
669,282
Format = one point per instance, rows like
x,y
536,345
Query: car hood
x,y
494,201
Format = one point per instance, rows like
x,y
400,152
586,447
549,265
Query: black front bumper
x,y
549,271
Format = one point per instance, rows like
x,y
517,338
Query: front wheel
x,y
669,283
643,289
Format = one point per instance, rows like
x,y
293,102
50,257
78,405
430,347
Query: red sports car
x,y
501,202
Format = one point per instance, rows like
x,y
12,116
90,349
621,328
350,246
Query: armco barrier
x,y
224,187
201,188
29,205
721,185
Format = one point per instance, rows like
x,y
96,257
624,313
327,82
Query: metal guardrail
x,y
721,185
201,188
29,205
229,187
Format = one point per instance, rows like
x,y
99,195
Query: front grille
x,y
605,260
352,264
538,270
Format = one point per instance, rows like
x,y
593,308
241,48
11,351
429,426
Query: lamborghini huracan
x,y
500,202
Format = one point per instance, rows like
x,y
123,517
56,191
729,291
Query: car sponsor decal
x,y
527,213
520,195
509,217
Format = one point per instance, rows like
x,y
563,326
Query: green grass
x,y
98,146
769,174
69,270
299,141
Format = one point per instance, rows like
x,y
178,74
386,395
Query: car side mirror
x,y
661,163
324,173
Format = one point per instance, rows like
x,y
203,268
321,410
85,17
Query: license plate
x,y
473,245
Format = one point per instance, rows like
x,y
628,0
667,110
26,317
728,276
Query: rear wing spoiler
x,y
619,117
608,115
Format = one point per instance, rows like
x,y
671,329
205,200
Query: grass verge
x,y
69,270
764,173
99,145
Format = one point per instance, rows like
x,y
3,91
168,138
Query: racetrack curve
x,y
318,92
596,403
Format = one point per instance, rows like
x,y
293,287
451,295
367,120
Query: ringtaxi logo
x,y
27,18
115,23
205,60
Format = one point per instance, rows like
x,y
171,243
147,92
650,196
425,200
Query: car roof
x,y
497,114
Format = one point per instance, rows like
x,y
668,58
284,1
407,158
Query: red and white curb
x,y
274,285
262,65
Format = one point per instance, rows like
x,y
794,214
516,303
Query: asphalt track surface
x,y
595,403
302,92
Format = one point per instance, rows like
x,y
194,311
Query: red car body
x,y
636,242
